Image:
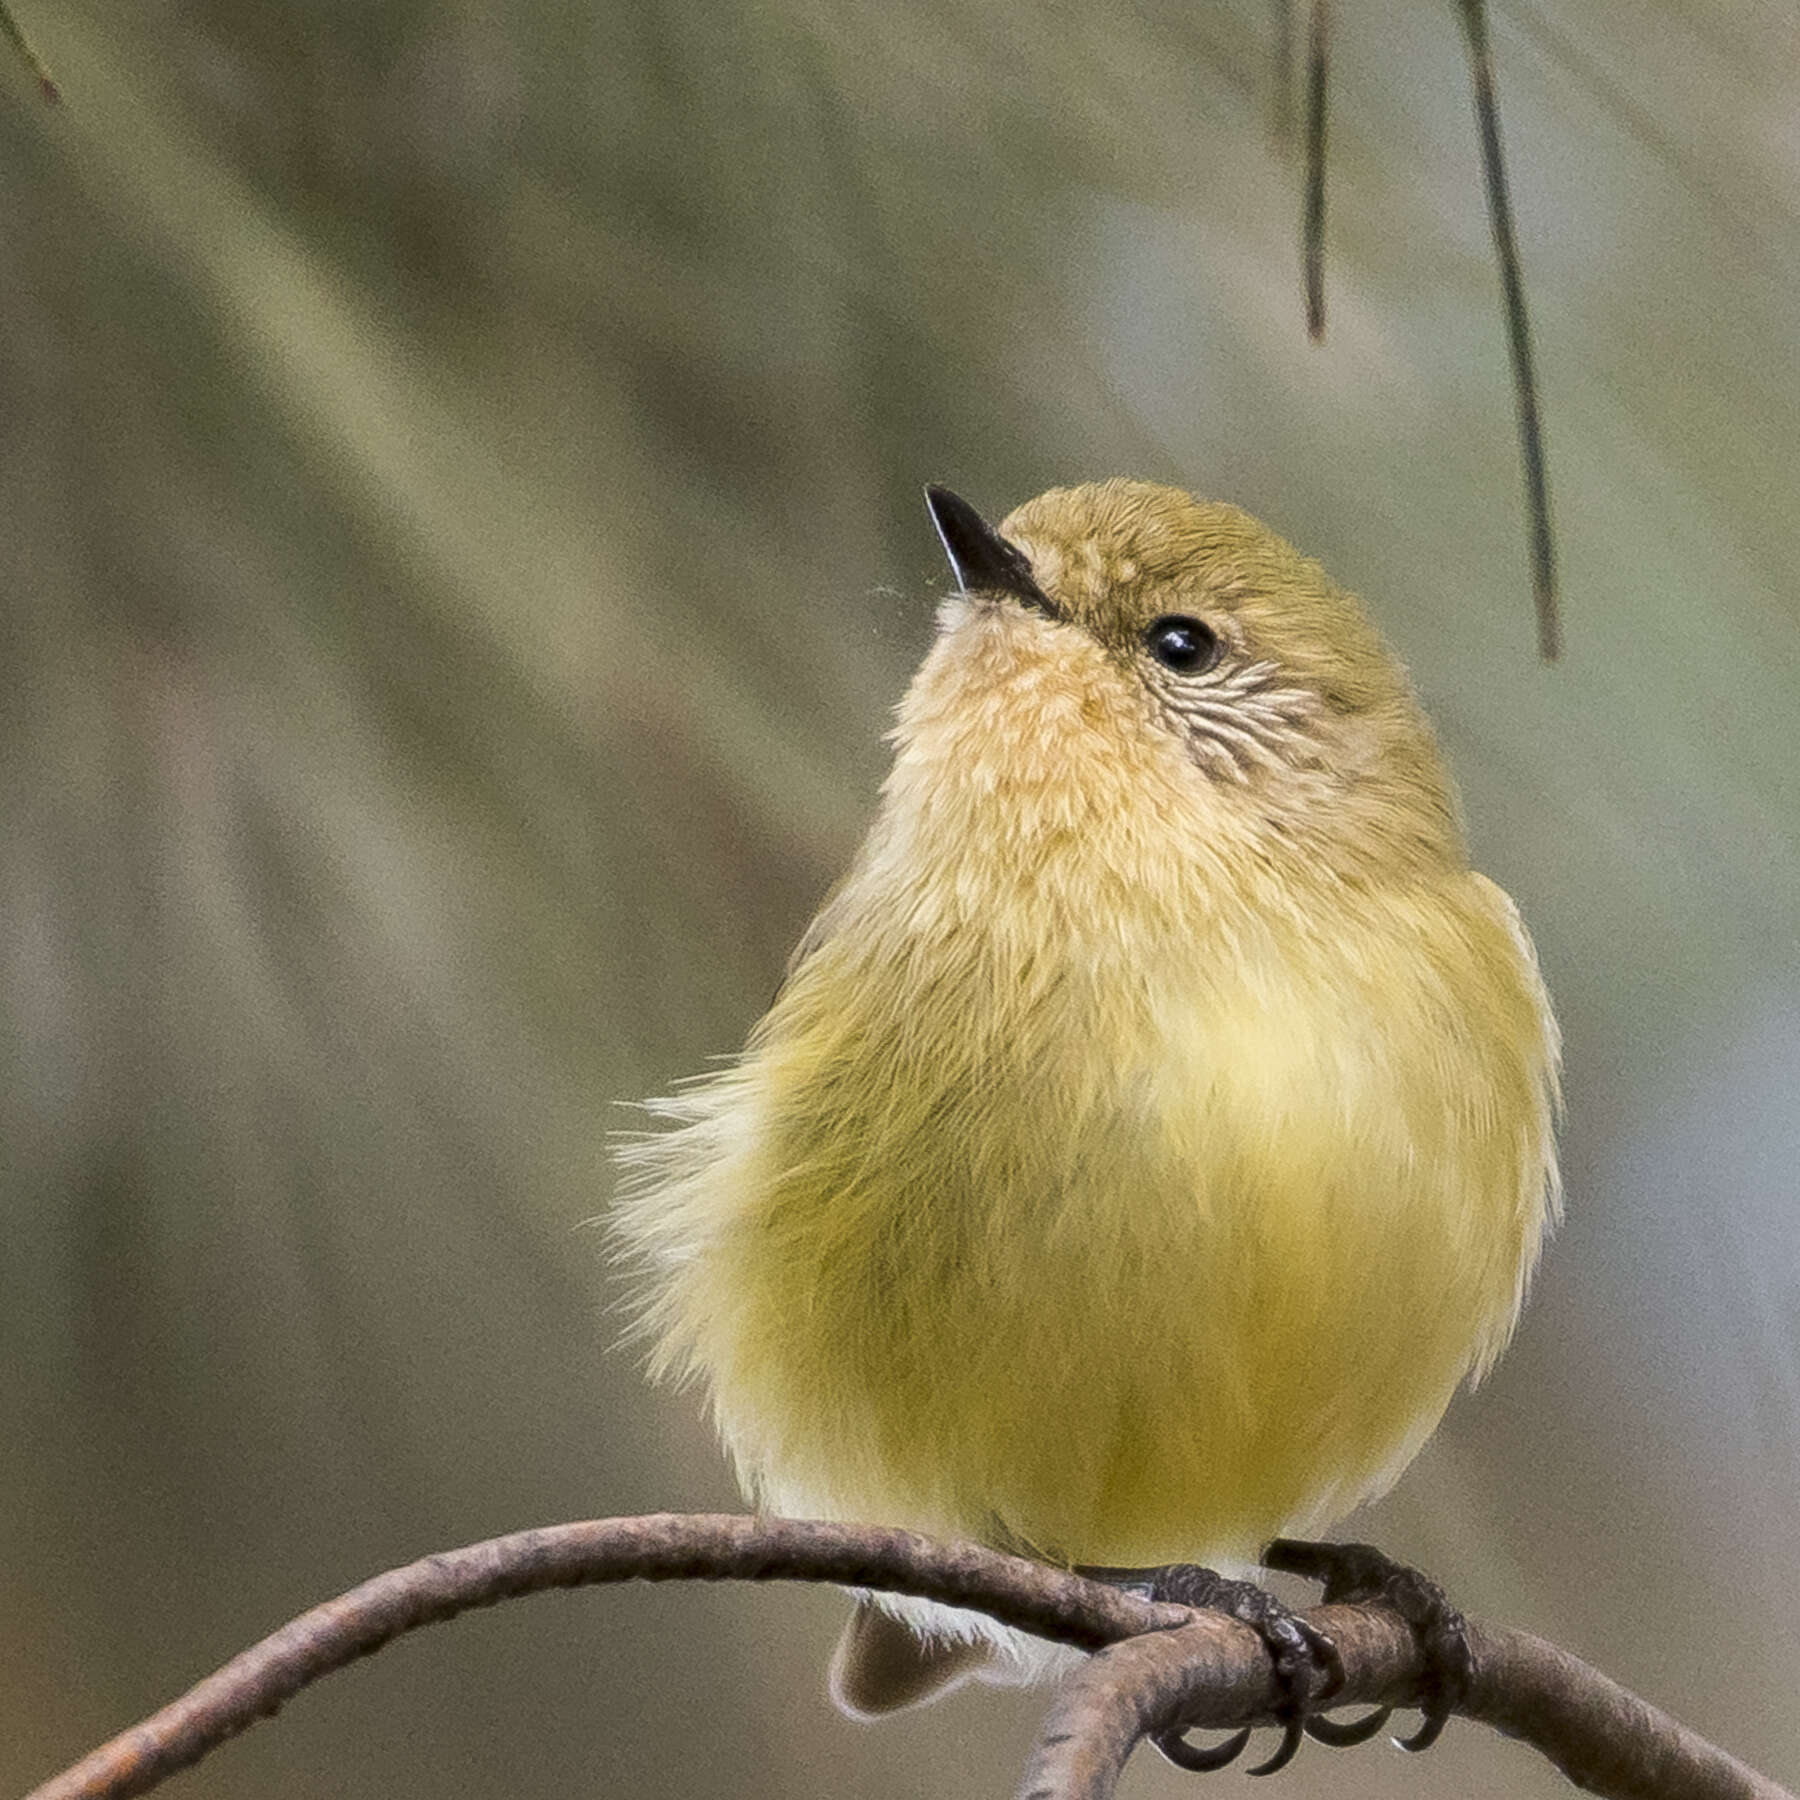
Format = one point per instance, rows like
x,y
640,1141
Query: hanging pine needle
x,y
1313,230
1518,326
1473,14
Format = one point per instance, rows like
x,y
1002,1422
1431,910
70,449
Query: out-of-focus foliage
x,y
459,469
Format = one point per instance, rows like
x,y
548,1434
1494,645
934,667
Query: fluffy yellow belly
x,y
1118,1281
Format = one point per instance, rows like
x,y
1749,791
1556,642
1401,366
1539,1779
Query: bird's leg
x,y
1308,1670
1354,1573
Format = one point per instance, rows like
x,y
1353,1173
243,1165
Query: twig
x,y
657,1547
1165,1664
1602,1737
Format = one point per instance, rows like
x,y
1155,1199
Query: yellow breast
x,y
1123,1268
1125,1186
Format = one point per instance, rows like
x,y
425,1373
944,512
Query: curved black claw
x,y
1341,1736
1352,1573
1430,1730
1174,1745
1307,1667
1293,1730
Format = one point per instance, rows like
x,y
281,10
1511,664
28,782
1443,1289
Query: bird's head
x,y
1123,659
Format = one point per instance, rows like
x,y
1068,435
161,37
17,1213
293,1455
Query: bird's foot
x,y
1307,1668
1354,1573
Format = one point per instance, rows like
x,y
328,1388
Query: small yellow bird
x,y
1156,1124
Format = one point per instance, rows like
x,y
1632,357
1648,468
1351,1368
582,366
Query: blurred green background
x,y
459,500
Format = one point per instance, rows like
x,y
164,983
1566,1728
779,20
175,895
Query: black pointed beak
x,y
981,559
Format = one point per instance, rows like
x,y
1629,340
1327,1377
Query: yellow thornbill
x,y
1156,1124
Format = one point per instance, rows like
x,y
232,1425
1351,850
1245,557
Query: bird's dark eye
x,y
1188,646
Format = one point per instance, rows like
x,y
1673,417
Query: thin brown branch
x,y
657,1547
1157,1666
1602,1737
1518,326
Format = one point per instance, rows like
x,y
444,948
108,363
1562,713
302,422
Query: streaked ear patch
x,y
1238,717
